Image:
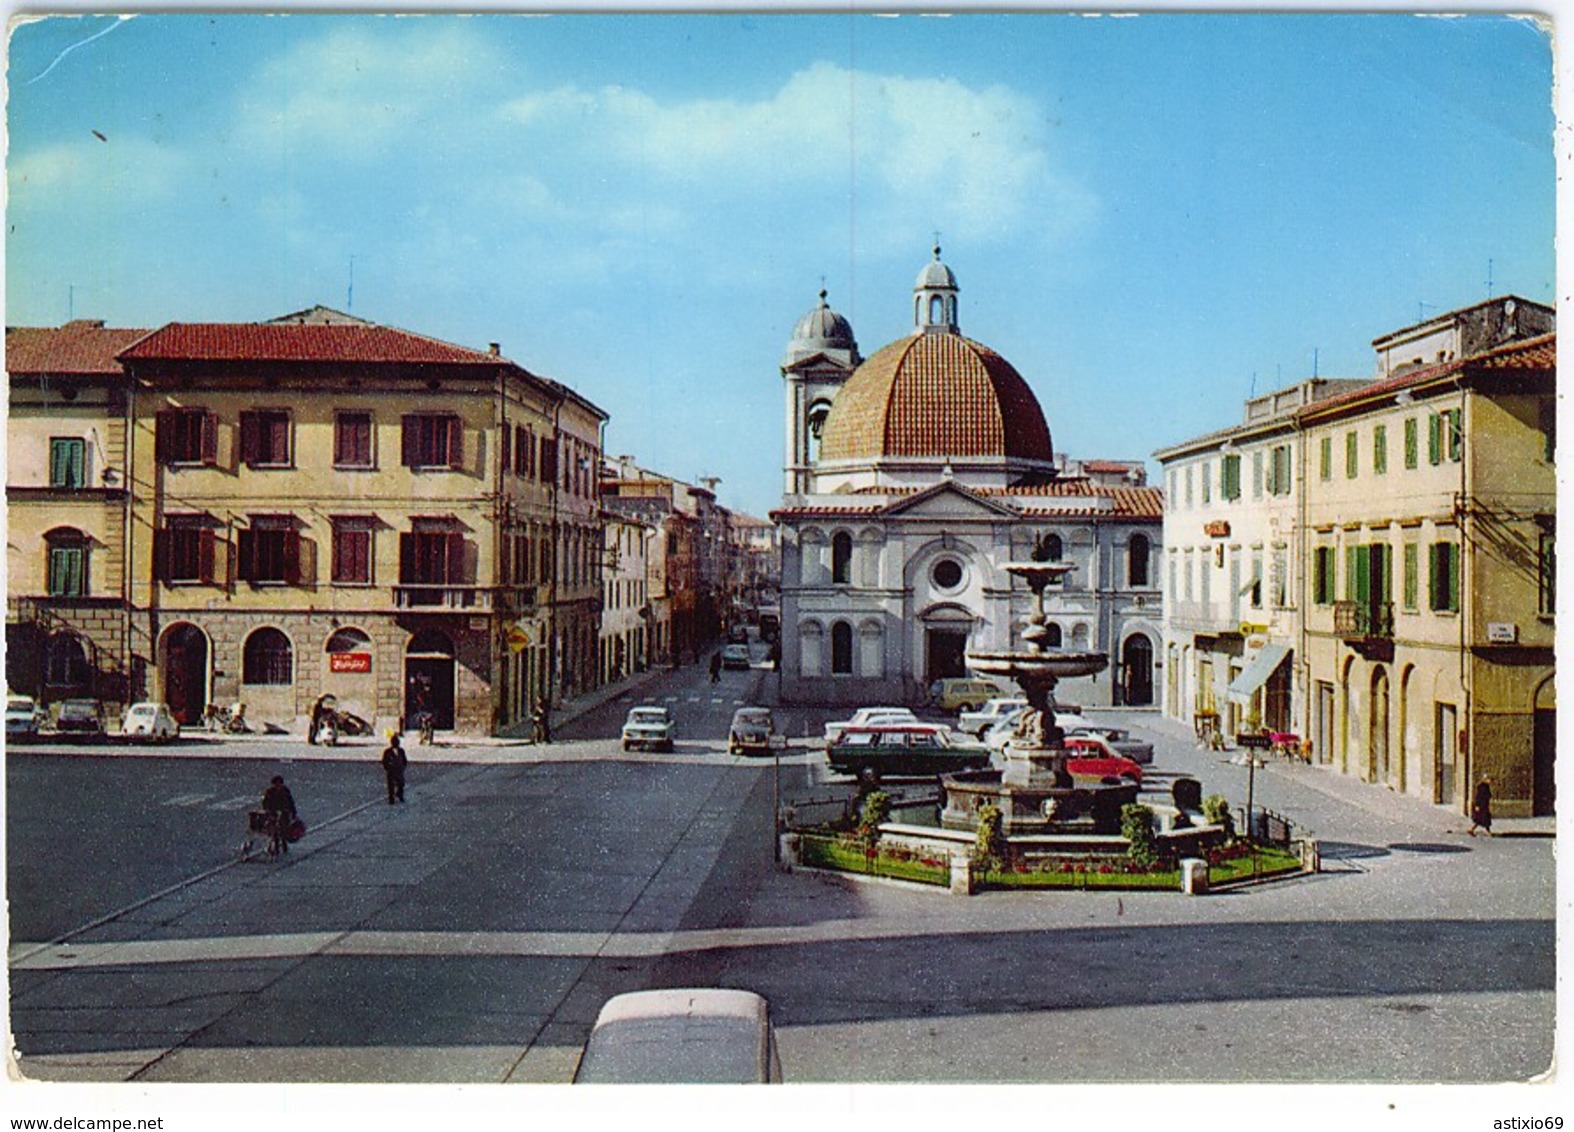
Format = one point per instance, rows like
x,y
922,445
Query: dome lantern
x,y
934,299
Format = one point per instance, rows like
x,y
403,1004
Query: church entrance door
x,y
944,649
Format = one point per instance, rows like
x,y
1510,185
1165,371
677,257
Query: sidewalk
x,y
1349,790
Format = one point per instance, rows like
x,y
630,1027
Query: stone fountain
x,y
1034,791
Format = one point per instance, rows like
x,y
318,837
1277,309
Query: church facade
x,y
911,477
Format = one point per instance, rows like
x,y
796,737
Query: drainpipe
x,y
1466,543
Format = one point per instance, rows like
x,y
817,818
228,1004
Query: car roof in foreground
x,y
686,1036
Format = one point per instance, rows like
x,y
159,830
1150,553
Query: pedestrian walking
x,y
715,667
394,762
1481,807
541,723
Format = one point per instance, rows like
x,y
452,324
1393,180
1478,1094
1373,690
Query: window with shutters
x,y
186,436
431,556
270,551
1412,442
1547,568
265,438
185,549
66,564
433,440
524,450
1443,575
1411,590
352,440
1380,450
1230,477
546,468
1352,455
67,462
1323,575
352,550
1325,458
1257,474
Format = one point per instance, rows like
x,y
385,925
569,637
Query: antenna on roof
x,y
1489,277
349,294
71,301
1314,361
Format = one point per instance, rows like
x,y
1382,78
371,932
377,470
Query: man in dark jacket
x,y
394,762
280,803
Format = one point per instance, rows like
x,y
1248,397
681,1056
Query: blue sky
x,y
1149,216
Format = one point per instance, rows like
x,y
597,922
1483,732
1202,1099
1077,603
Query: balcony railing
x,y
1364,619
441,595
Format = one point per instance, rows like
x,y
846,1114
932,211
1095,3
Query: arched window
x,y
841,649
66,548
349,640
841,558
1053,640
936,311
65,662
267,659
1137,552
430,642
1053,548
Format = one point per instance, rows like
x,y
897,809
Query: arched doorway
x,y
1377,739
1136,665
183,669
429,679
1544,749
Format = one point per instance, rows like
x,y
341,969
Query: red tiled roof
x,y
1540,353
1107,466
935,395
84,347
299,342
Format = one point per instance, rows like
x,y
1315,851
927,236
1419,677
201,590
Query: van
x,y
689,1036
963,693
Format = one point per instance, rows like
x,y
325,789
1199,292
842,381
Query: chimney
x,y
495,349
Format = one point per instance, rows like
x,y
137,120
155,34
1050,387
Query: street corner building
x,y
1367,566
263,513
911,477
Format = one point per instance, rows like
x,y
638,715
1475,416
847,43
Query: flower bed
x,y
1225,865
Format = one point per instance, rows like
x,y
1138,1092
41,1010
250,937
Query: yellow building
x,y
1428,507
321,505
67,616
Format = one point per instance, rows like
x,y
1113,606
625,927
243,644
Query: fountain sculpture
x,y
1034,791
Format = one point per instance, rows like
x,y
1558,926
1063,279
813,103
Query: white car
x,y
23,717
1000,733
149,721
649,728
979,722
870,717
1124,743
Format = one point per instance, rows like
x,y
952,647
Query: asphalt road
x,y
472,934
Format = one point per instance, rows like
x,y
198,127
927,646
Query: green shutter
x,y
1352,455
1380,450
1412,442
1434,439
1326,454
1412,582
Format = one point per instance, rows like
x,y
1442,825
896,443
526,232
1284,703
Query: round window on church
x,y
947,574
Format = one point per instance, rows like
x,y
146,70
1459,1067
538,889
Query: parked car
x,y
649,728
919,750
81,717
149,721
23,717
963,693
752,731
979,722
735,656
689,1036
998,734
1091,757
867,717
1137,750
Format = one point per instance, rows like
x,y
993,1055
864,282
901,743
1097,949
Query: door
x,y
1137,671
1543,784
186,674
946,654
1445,748
429,686
1377,739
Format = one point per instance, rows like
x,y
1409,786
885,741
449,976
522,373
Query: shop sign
x,y
1218,528
1502,632
349,662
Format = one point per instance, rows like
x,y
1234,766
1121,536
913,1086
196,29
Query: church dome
x,y
936,395
822,331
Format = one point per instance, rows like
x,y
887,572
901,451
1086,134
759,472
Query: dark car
x,y
80,716
751,731
910,751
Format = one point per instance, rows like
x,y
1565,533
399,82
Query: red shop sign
x,y
349,662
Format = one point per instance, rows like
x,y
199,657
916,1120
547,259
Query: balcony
x,y
438,596
1367,627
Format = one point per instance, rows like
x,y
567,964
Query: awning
x,y
1255,674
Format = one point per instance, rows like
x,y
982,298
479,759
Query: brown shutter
x,y
454,564
456,443
205,547
247,543
163,430
250,438
210,438
411,431
505,436
406,557
292,557
160,554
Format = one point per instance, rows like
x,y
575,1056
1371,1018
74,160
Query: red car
x,y
1091,757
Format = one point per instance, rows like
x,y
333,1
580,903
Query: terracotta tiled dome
x,y
937,395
